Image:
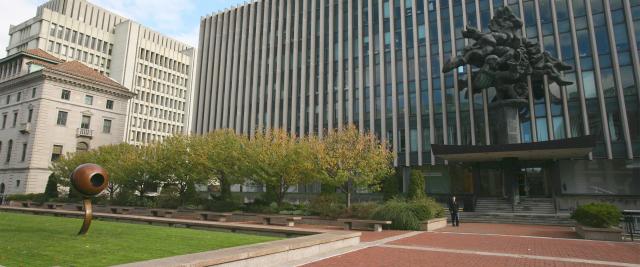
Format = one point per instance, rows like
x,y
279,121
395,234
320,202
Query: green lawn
x,y
32,240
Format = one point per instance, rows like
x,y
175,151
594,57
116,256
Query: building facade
x,y
156,67
313,65
49,108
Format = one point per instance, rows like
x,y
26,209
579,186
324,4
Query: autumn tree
x,y
176,165
221,157
280,160
351,159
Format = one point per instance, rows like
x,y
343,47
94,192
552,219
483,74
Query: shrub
x,y
327,205
416,185
390,187
408,215
400,213
27,197
168,198
362,210
51,189
599,215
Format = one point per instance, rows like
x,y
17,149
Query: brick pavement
x,y
491,245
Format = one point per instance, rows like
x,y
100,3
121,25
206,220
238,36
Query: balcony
x,y
25,127
82,132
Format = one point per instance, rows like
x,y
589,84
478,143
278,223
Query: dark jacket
x,y
453,206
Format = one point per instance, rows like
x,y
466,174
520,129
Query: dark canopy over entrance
x,y
548,150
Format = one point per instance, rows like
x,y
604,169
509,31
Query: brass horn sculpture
x,y
89,179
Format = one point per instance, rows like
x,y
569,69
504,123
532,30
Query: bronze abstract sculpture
x,y
89,179
506,59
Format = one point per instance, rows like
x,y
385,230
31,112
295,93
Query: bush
x,y
400,213
598,215
27,197
168,198
390,187
362,210
327,206
408,215
416,185
51,189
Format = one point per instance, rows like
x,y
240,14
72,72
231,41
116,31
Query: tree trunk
x,y
349,189
225,187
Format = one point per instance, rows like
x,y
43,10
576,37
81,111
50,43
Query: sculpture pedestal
x,y
505,121
506,129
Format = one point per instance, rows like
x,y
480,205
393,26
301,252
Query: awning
x,y
577,147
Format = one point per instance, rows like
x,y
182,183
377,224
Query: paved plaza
x,y
476,244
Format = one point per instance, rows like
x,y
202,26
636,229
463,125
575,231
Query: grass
x,y
32,240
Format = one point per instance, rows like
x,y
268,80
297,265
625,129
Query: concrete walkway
x,y
485,245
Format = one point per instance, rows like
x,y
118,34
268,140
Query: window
x,y
56,153
106,126
66,94
52,29
33,92
109,104
4,120
86,122
17,183
9,148
24,152
15,119
82,147
30,115
88,100
8,99
19,96
62,118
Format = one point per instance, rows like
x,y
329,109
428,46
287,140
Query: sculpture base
x,y
505,121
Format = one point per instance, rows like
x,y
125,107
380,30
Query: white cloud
x,y
163,15
14,13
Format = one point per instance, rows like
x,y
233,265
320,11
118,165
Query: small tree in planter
x,y
598,221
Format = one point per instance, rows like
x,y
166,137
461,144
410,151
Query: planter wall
x,y
603,234
434,224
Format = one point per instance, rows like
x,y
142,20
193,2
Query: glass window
x,y
4,120
24,152
56,153
88,100
106,126
30,115
9,148
15,119
62,118
109,104
82,147
33,92
66,94
86,122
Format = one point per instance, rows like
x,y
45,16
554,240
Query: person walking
x,y
453,209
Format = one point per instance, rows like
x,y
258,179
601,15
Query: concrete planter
x,y
434,224
603,234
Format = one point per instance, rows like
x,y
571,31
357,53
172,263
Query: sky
x,y
179,19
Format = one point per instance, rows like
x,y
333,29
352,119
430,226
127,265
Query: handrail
x,y
631,222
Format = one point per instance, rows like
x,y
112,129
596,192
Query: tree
x,y
221,157
280,160
416,185
176,165
143,166
351,159
51,189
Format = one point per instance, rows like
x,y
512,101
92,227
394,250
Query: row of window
x,y
160,87
88,99
56,153
15,118
85,122
153,125
165,62
144,137
18,96
162,75
77,54
79,38
23,155
142,109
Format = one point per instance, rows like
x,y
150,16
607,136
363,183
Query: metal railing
x,y
631,223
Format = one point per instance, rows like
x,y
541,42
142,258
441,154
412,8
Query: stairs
x,y
535,205
516,218
538,211
490,205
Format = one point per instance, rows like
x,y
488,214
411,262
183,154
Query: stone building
x,y
159,69
49,108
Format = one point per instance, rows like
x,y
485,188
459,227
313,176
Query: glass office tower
x,y
312,65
